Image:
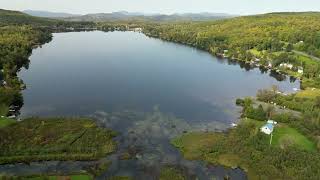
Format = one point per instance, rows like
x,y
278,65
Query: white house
x,y
267,128
137,29
300,70
286,65
272,122
234,125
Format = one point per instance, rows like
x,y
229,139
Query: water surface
x,y
81,72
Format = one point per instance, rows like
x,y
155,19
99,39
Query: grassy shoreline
x,y
292,154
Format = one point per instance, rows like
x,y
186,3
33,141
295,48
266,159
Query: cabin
x,y
300,70
286,65
137,29
269,127
295,89
225,52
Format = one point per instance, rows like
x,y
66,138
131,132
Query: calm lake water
x,y
83,72
147,89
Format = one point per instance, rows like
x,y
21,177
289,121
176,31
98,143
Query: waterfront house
x,y
268,128
300,70
225,52
286,65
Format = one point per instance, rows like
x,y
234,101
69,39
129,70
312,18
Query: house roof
x,y
269,126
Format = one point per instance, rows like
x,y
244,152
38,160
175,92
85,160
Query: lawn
x,y
286,136
4,109
310,93
4,122
37,139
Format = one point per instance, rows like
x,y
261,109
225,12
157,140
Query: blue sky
x,y
164,6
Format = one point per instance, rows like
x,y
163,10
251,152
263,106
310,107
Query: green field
x,y
308,93
37,139
4,122
286,136
3,109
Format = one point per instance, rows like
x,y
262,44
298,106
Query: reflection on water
x,y
117,79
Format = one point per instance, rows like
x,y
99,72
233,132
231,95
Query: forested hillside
x,y
16,45
271,39
18,18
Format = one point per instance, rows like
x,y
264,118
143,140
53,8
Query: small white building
x,y
268,128
137,29
286,65
272,122
300,70
234,125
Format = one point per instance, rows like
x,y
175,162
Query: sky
x,y
240,7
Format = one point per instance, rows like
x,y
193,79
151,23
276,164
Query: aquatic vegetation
x,y
36,139
99,167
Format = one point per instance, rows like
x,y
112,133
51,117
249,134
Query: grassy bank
x,y
38,139
4,122
246,147
294,149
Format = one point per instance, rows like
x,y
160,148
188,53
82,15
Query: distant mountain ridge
x,y
124,16
49,14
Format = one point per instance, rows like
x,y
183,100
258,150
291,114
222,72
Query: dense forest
x,y
16,43
273,40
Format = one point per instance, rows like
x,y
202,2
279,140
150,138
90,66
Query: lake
x,y
147,89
